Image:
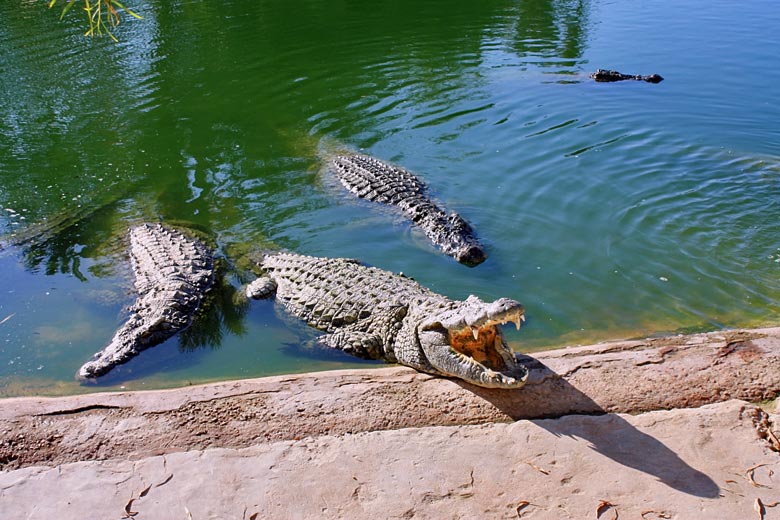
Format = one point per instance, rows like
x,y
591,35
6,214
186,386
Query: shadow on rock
x,y
548,396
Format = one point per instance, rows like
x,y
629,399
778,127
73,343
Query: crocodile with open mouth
x,y
375,314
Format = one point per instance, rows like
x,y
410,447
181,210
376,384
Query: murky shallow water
x,y
609,210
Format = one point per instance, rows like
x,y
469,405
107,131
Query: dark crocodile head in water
x,y
378,181
471,255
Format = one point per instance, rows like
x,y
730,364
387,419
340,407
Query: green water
x,y
610,210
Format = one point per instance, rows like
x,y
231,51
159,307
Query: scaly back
x,y
330,293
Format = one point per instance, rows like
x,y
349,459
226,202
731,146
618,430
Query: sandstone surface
x,y
659,428
709,462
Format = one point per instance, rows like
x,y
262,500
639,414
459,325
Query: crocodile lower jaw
x,y
470,370
481,351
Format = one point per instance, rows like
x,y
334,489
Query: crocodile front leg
x,y
262,288
369,338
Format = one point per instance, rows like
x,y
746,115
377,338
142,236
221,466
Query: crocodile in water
x,y
376,314
375,180
172,273
605,75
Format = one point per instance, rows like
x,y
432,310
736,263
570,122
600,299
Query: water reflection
x,y
551,30
115,116
223,311
57,245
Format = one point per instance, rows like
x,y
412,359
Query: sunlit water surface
x,y
610,210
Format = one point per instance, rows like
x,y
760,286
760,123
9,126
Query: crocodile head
x,y
456,238
465,341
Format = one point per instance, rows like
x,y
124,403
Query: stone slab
x,y
715,461
626,376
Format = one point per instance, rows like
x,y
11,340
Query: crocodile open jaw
x,y
476,350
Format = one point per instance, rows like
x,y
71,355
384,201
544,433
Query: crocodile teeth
x,y
518,320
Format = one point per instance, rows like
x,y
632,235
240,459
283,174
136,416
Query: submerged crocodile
x,y
605,75
172,272
374,180
376,314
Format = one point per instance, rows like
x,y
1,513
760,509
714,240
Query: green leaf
x,y
128,11
134,15
66,8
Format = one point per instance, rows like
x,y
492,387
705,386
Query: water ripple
x,y
607,209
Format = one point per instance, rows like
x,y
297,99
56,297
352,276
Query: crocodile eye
x,y
434,327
